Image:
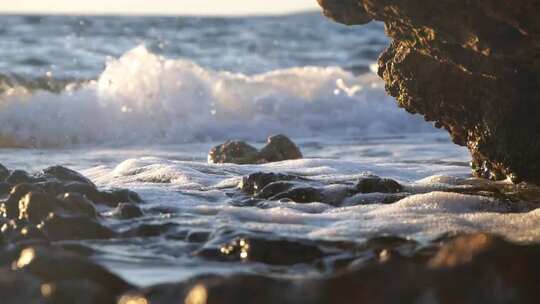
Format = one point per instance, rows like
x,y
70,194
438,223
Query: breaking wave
x,y
145,98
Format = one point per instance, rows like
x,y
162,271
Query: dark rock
x,y
218,289
237,152
274,189
10,208
345,11
301,195
78,204
64,175
4,173
127,211
197,236
274,186
278,148
254,183
61,266
37,206
474,268
114,197
61,228
5,189
376,184
478,78
29,232
84,189
77,291
19,177
273,250
19,287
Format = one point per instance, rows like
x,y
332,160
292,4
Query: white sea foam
x,y
145,98
419,216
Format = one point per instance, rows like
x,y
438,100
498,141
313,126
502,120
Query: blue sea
x,y
137,102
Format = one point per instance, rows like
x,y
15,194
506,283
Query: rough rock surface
x,y
278,148
475,268
473,67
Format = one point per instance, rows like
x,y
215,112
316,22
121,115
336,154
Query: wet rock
x,y
19,287
61,266
10,207
113,198
255,182
278,148
61,228
20,177
4,173
217,289
197,236
127,211
28,232
231,246
76,291
84,189
65,175
37,206
78,204
376,184
5,188
479,78
474,268
237,152
275,186
301,195
345,11
274,189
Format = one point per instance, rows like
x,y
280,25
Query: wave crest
x,y
144,98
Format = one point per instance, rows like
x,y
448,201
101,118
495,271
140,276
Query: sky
x,y
168,7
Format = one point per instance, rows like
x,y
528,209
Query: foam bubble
x,y
421,216
145,98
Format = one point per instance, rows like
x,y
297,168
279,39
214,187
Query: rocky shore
x,y
45,215
472,67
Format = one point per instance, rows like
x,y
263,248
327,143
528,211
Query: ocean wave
x,y
145,98
15,84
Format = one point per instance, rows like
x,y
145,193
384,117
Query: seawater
x,y
137,102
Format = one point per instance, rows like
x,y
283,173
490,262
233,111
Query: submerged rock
x,y
376,184
19,177
268,249
278,148
57,205
57,268
475,268
19,287
64,175
127,211
276,186
256,182
478,78
237,152
114,197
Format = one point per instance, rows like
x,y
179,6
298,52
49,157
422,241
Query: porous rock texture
x,y
472,67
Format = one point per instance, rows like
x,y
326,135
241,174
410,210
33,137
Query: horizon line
x,y
156,14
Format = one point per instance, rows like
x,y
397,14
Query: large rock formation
x,y
473,67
